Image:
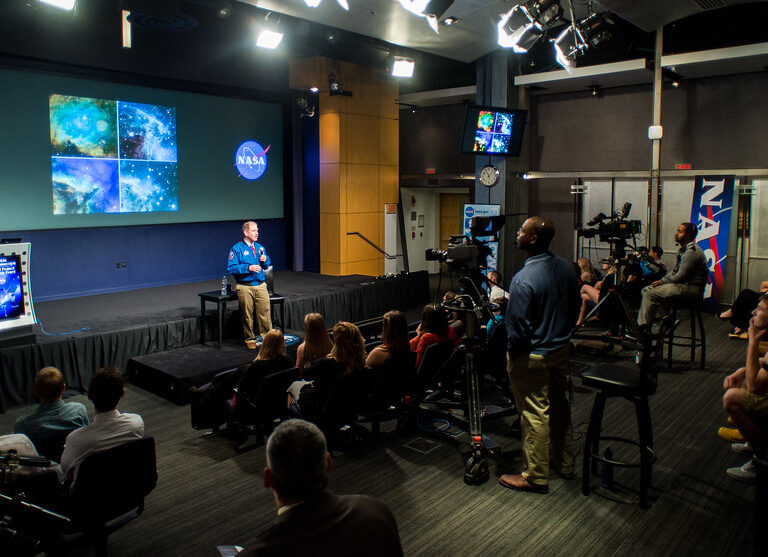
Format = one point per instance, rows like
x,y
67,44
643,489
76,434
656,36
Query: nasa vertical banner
x,y
711,213
483,210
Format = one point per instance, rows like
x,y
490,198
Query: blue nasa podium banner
x,y
711,210
15,292
483,210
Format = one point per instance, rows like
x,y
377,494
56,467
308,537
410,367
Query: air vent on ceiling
x,y
710,4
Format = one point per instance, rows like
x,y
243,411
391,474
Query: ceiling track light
x,y
400,66
432,10
269,36
525,23
68,5
315,3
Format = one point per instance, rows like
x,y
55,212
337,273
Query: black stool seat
x,y
622,378
697,338
634,382
274,299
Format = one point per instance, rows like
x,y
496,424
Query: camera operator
x,y
686,280
542,310
651,264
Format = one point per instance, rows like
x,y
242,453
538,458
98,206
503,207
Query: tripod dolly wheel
x,y
475,470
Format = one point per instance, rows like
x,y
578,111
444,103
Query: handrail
x,y
374,246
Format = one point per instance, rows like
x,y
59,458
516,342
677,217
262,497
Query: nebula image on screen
x,y
85,186
500,143
112,156
83,127
147,186
11,294
503,123
485,121
482,142
147,132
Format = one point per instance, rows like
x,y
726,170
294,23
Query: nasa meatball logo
x,y
470,211
251,160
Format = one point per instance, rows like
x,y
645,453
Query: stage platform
x,y
123,325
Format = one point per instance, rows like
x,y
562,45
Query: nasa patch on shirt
x,y
231,255
246,252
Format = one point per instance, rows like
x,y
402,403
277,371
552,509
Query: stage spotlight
x,y
314,89
68,5
524,24
344,4
448,21
224,9
432,10
269,36
403,66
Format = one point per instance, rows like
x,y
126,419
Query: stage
x,y
123,325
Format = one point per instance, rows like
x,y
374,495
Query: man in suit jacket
x,y
311,520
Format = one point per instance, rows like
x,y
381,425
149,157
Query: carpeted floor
x,y
208,495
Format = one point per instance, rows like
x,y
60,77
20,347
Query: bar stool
x,y
634,382
697,338
274,299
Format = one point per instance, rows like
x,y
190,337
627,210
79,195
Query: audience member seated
x,y
347,358
432,329
310,519
740,312
271,359
317,343
652,267
587,273
497,316
54,419
746,397
590,293
394,340
109,428
497,289
685,282
17,442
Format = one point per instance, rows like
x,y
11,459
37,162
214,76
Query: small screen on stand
x,y
11,293
493,131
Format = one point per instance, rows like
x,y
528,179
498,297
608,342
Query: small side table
x,y
221,306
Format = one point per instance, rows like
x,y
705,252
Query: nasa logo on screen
x,y
470,211
251,160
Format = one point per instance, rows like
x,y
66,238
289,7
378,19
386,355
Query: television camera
x,y
615,230
467,255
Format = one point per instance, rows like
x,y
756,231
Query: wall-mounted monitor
x,y
492,130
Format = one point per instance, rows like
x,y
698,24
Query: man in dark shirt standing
x,y
686,280
542,311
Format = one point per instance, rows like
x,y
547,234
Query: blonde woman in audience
x,y
317,343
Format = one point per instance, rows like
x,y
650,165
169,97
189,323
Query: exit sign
x,y
683,166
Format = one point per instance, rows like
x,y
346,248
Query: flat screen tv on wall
x,y
492,130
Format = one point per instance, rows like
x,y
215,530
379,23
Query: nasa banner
x,y
483,210
711,213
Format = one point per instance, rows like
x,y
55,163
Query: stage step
x,y
170,374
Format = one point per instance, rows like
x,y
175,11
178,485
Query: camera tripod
x,y
472,409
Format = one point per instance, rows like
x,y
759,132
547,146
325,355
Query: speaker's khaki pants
x,y
254,298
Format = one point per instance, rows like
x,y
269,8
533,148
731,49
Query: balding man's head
x,y
536,234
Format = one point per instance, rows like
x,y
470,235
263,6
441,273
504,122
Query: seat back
x,y
437,360
268,401
114,481
269,278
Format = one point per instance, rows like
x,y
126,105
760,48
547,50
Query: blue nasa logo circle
x,y
470,211
251,160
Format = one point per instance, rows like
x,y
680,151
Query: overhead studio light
x,y
403,66
269,36
432,10
575,39
525,23
61,4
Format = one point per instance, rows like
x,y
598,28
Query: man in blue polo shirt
x,y
54,419
542,311
247,261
